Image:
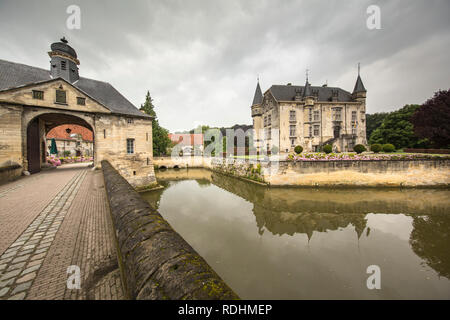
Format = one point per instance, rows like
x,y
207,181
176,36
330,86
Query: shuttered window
x,y
60,96
38,94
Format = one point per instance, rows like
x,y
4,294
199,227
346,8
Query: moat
x,y
300,243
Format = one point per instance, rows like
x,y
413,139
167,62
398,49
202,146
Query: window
x,y
38,94
81,101
353,115
337,114
63,65
316,115
354,129
292,131
269,120
60,96
130,146
292,116
265,121
310,131
292,143
316,130
104,133
310,114
129,120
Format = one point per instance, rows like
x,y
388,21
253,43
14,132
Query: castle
x,y
286,116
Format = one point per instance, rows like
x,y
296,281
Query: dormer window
x,y
61,96
63,65
81,101
129,120
38,94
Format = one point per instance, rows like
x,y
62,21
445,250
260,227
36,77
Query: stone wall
x,y
9,173
155,261
393,173
10,136
111,134
182,162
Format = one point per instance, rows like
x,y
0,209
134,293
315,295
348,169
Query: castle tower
x,y
359,92
64,62
308,97
359,95
257,117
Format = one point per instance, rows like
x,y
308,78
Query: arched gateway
x,y
34,100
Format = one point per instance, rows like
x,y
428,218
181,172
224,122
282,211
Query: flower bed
x,y
359,157
55,161
76,159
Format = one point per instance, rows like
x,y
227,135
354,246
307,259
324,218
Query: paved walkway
x,y
53,220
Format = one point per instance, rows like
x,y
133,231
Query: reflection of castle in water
x,y
296,210
290,223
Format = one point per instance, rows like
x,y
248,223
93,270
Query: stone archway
x,y
36,127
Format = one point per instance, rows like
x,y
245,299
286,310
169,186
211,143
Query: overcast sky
x,y
200,59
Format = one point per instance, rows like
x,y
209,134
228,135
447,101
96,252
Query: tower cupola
x,y
64,62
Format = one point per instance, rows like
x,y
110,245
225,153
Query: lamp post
x,y
68,130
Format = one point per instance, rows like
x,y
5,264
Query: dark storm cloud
x,y
200,59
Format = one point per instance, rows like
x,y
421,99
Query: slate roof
x,y
359,86
258,98
287,93
14,75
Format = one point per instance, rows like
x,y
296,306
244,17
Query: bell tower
x,y
64,62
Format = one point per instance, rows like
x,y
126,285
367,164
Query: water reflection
x,y
386,225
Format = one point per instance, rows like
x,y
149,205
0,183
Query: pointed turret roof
x,y
307,92
258,98
359,86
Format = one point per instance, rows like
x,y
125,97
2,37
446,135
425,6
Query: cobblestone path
x,y
72,228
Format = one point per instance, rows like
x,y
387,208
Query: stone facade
x,y
287,116
33,99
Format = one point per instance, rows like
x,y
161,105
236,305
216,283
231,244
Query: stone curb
x,y
155,261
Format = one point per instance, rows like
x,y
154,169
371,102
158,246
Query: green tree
x,y
398,130
200,129
160,135
373,121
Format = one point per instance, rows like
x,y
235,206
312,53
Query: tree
x,y
432,120
200,129
373,121
398,130
148,106
160,135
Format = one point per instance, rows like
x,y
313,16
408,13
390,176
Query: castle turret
x,y
359,95
257,117
64,62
